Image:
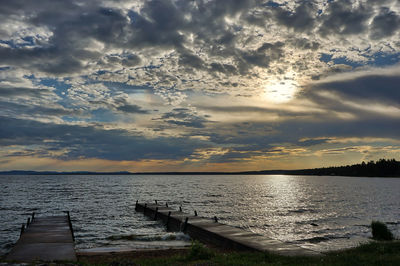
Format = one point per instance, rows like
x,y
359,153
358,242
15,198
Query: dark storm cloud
x,y
92,142
385,24
166,24
301,19
256,136
375,88
16,109
305,44
342,18
7,91
73,25
131,108
261,57
184,117
223,68
191,60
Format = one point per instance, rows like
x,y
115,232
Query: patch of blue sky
x,y
102,115
23,42
273,4
60,86
340,60
120,86
132,16
71,119
325,58
61,89
384,59
151,66
5,68
344,61
379,59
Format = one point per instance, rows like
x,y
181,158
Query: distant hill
x,y
22,172
380,168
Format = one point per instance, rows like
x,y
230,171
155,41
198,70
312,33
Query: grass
x,y
374,253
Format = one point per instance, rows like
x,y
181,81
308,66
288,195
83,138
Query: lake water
x,y
279,206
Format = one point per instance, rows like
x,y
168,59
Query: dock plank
x,y
209,231
45,239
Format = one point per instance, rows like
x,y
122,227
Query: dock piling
x,y
28,221
22,230
155,214
156,202
185,224
213,232
168,218
70,225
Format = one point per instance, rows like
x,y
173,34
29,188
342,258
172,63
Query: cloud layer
x,y
206,85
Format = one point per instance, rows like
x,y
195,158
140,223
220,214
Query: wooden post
x,y
166,204
216,219
137,201
195,213
22,230
70,226
185,224
33,216
156,202
28,222
155,215
168,217
180,208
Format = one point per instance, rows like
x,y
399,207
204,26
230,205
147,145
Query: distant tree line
x,y
380,168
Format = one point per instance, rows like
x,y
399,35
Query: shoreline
x,y
373,253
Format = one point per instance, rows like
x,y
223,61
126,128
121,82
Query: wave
x,y
319,239
163,237
302,211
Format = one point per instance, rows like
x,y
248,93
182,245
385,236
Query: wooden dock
x,y
45,239
212,232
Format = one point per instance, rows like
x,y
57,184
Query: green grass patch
x,y
374,253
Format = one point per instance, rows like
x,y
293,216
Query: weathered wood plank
x,y
226,236
45,239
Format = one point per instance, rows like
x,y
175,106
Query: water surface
x,y
322,213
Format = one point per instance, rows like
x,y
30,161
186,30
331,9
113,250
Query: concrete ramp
x,y
45,239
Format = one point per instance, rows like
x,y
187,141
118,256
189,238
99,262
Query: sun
x,y
280,90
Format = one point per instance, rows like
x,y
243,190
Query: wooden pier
x,y
45,239
212,232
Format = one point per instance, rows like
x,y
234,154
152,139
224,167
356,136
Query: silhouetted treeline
x,y
380,168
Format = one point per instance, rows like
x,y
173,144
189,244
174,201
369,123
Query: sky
x,y
202,85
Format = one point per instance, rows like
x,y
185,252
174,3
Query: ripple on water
x,y
282,207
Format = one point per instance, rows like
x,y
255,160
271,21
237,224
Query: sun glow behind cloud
x,y
281,90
